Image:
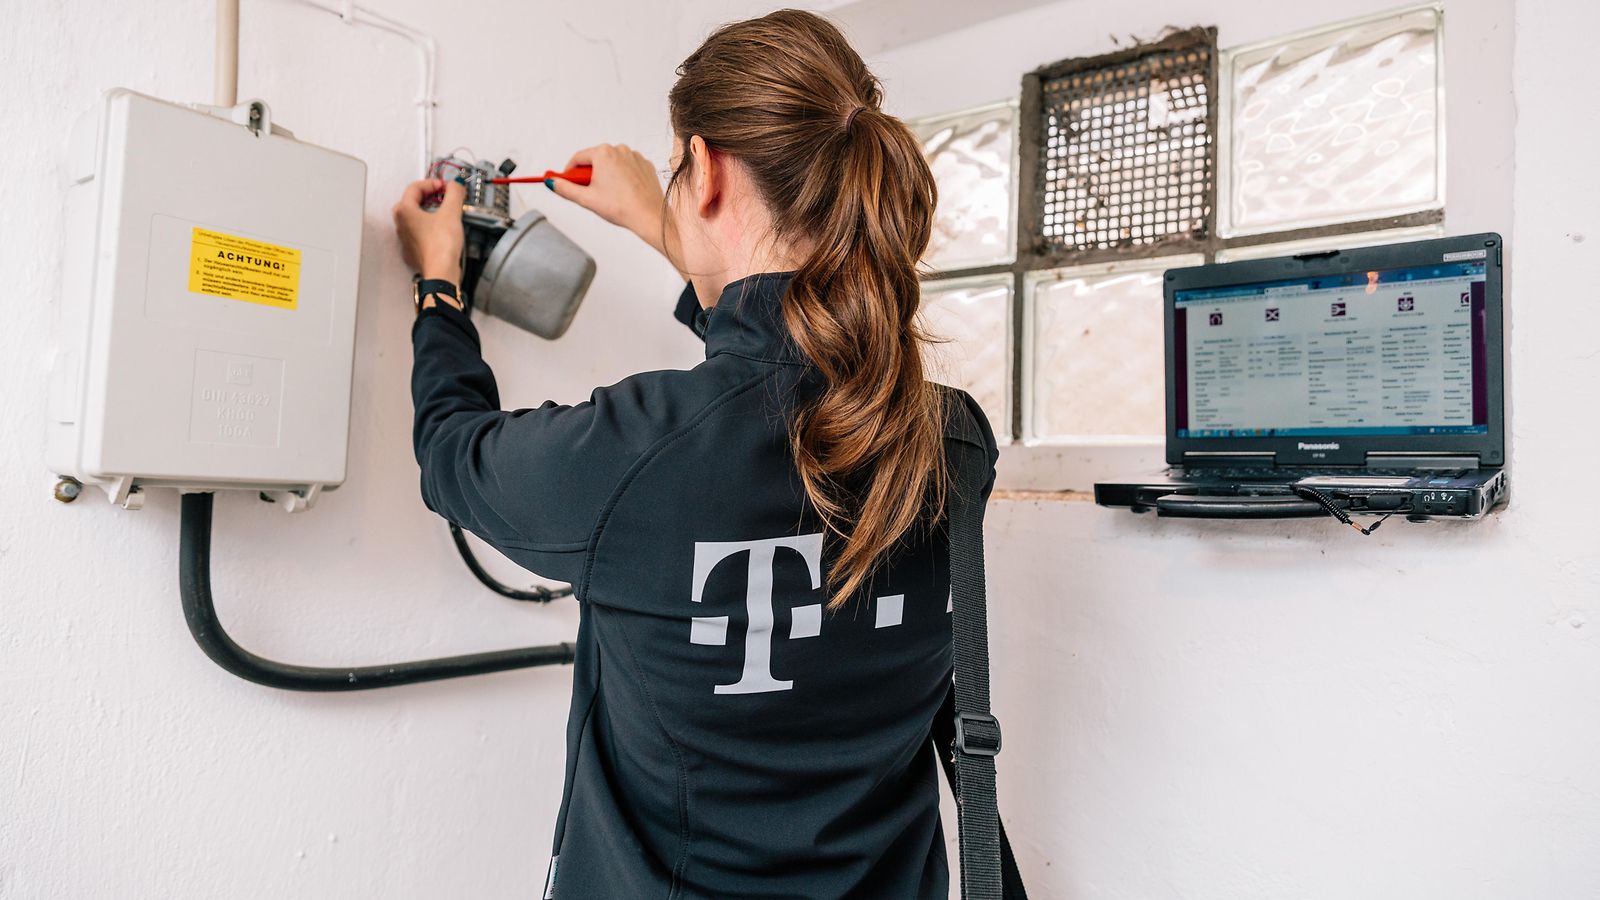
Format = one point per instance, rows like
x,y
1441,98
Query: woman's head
x,y
785,110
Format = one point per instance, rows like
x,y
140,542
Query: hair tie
x,y
850,120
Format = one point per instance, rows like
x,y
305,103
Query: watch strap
x,y
436,288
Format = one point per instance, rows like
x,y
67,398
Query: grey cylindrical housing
x,y
535,277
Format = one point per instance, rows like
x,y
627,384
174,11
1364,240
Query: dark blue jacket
x,y
728,736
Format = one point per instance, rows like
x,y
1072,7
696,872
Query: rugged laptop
x,y
1347,382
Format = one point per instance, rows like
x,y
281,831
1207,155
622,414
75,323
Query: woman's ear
x,y
709,176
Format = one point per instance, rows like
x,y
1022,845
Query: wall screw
x,y
68,489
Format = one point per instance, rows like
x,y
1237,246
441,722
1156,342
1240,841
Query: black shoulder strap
x,y
966,734
944,730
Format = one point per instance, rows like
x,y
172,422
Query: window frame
x,y
1327,242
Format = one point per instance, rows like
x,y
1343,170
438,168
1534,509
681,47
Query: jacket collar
x,y
748,321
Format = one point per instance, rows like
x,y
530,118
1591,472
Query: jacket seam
x,y
968,441
566,800
647,457
799,364
675,889
563,547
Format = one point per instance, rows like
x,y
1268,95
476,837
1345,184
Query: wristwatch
x,y
440,290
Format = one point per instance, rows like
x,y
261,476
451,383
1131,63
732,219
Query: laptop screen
x,y
1397,351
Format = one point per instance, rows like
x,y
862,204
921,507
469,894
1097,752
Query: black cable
x,y
194,584
536,594
1334,510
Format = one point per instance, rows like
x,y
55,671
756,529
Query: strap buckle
x,y
977,734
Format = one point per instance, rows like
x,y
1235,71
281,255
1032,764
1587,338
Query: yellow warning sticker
x,y
236,268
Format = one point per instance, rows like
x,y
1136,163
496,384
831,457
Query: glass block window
x,y
972,318
1110,169
1126,156
973,157
1332,242
1335,125
1096,352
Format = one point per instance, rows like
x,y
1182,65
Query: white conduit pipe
x,y
356,15
225,71
227,58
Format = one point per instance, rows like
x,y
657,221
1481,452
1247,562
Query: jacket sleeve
x,y
532,482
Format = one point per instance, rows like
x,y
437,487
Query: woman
x,y
757,543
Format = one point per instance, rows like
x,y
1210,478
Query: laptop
x,y
1345,383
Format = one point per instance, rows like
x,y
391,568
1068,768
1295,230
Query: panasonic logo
x,y
1331,445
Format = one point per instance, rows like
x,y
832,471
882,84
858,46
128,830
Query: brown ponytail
x,y
789,98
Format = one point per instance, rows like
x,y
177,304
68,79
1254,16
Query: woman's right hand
x,y
623,189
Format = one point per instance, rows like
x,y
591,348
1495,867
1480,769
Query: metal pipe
x,y
225,74
194,584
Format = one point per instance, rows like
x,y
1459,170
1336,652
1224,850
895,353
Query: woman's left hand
x,y
432,240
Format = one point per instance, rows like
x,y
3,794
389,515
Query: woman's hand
x,y
623,189
431,240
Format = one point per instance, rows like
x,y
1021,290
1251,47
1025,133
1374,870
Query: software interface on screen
x,y
1398,351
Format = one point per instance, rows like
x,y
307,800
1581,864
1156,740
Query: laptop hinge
x,y
1422,460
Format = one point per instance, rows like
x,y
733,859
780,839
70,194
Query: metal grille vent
x,y
1127,158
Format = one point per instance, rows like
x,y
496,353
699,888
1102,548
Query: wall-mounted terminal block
x,y
206,327
524,270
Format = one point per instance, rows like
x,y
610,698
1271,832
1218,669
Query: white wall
x,y
1246,711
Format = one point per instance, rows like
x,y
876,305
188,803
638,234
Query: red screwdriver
x,y
576,175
